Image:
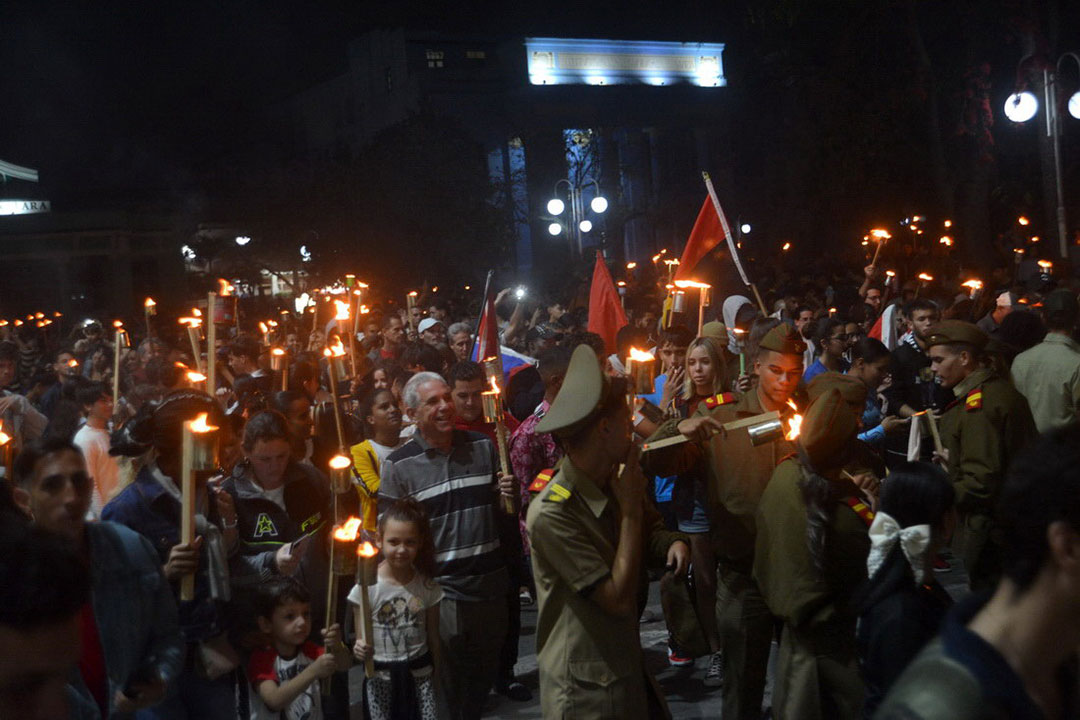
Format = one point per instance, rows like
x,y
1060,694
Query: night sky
x,y
132,102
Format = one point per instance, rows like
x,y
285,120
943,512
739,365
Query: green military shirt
x,y
736,471
590,662
794,590
985,428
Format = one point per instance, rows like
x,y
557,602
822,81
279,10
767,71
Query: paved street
x,y
686,696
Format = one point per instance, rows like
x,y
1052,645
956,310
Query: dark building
x,y
635,122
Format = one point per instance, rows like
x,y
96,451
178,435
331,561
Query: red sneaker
x,y
677,659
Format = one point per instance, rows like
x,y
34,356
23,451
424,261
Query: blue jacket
x,y
146,508
134,611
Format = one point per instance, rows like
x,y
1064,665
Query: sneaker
x,y
714,676
515,691
525,597
676,658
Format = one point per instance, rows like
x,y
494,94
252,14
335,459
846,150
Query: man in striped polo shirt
x,y
453,475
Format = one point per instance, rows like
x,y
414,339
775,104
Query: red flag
x,y
487,328
606,315
707,234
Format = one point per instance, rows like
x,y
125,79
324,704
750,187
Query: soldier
x,y
736,473
987,424
591,527
812,543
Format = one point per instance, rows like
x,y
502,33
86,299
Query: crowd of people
x,y
877,478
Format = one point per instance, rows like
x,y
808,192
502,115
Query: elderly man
x,y
453,475
460,338
131,643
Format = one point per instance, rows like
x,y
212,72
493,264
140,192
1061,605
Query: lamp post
x,y
579,221
1022,106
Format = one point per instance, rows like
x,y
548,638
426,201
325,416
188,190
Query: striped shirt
x,y
458,491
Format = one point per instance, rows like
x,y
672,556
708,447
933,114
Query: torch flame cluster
x,y
4,437
349,532
683,284
366,550
342,310
794,423
335,350
200,424
640,355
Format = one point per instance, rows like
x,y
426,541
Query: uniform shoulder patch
x,y
719,399
541,480
973,401
557,494
861,509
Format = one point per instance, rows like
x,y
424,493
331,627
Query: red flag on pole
x,y
707,234
487,328
606,315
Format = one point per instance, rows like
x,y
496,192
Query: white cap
x,y
427,323
1005,299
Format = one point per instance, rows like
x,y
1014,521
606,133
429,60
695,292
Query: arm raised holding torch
x,y
493,413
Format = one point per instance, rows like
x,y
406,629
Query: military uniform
x,y
590,661
983,430
736,472
817,675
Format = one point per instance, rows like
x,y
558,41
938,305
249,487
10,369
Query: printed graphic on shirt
x,y
264,526
397,619
268,665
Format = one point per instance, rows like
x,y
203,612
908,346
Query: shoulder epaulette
x,y
557,493
542,479
973,401
719,399
861,509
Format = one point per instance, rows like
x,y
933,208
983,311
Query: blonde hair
x,y
712,349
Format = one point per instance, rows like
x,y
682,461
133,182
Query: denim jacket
x,y
134,611
145,507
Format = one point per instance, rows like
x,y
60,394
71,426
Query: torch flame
x,y
890,273
348,532
4,437
973,284
335,350
193,322
73,363
494,387
655,258
199,424
342,310
277,351
149,303
264,328
946,241
225,288
117,324
339,462
794,423
926,277
692,284
195,377
631,265
1023,220
39,315
1045,264
366,550
413,294
640,355
787,246
880,234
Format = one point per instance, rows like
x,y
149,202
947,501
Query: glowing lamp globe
x,y
554,229
598,204
1021,107
1074,105
556,206
585,225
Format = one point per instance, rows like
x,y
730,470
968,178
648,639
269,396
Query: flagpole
x,y
480,317
731,242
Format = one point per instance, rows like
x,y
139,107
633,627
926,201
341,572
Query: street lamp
x,y
242,240
577,224
1023,105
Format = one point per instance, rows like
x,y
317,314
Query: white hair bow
x,y
885,532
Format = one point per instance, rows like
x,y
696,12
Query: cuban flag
x,y
486,343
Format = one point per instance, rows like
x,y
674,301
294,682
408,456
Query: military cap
x,y
715,329
584,390
783,339
829,425
956,331
851,389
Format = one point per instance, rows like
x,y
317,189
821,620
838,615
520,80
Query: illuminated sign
x,y
556,61
24,207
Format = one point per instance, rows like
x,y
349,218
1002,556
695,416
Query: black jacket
x,y
897,618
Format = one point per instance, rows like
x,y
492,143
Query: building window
x,y
475,55
434,58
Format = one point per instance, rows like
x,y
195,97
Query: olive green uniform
x,y
817,675
591,663
736,473
985,428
